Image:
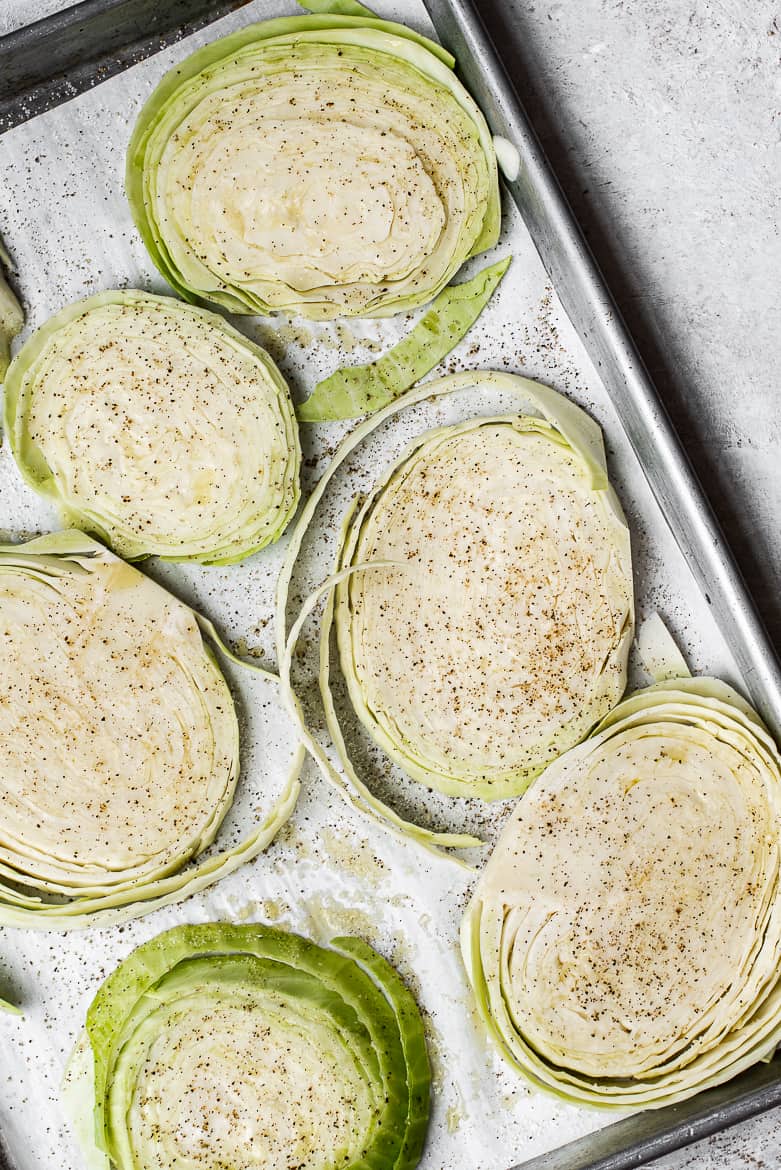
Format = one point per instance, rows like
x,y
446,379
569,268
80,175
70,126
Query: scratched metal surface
x,y
70,234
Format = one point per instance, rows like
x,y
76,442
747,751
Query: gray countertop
x,y
663,121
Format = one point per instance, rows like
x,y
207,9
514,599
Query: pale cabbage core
x,y
503,638
247,1081
117,731
350,204
321,175
162,431
637,875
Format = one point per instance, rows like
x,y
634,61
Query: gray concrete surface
x,y
663,120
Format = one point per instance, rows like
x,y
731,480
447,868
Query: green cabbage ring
x,y
222,1045
396,547
355,390
157,427
624,939
119,739
323,165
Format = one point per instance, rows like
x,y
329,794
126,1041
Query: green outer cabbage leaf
x,y
357,390
48,558
708,707
346,986
580,432
11,315
20,386
177,93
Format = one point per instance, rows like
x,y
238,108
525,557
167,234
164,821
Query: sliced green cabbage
x,y
360,390
324,165
503,637
381,586
240,1046
624,939
119,739
11,315
156,426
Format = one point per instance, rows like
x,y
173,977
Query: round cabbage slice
x,y
247,1046
502,637
323,165
624,938
119,740
157,426
575,443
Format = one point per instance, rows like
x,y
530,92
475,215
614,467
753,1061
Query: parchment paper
x,y
64,218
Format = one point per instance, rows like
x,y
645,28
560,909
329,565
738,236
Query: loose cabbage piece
x,y
659,653
359,390
624,939
119,740
11,315
482,598
327,165
221,1045
156,426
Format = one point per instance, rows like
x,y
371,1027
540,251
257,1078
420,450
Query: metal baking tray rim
x,y
123,32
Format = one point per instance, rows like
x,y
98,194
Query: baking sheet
x,y
64,217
